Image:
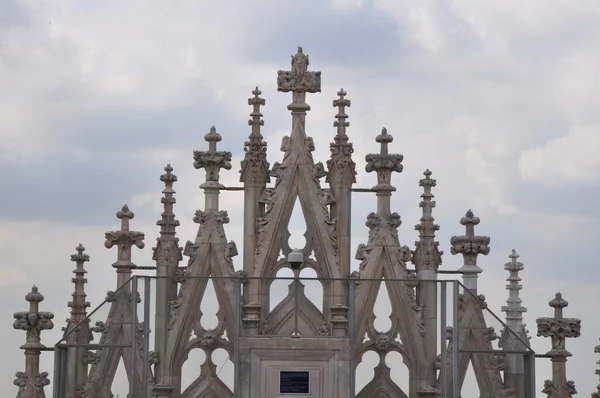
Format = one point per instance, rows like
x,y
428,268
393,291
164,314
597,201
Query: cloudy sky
x,y
498,98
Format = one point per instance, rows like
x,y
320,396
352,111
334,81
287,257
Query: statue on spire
x,y
299,81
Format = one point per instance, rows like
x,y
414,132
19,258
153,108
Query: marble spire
x,y
31,382
559,329
513,308
470,246
255,168
342,169
427,255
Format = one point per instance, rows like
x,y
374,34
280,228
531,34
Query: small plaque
x,y
294,382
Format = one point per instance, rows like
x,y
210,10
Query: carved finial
x,y
558,303
513,309
469,221
168,178
212,160
31,383
559,329
342,169
255,168
256,102
427,254
299,81
470,246
79,305
124,239
167,251
384,164
125,215
341,123
168,222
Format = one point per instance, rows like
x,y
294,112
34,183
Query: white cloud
x,y
347,5
572,158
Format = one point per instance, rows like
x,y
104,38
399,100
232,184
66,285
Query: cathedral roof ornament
x,y
78,305
299,81
470,246
342,169
168,222
167,248
559,329
124,239
255,168
212,161
513,309
427,254
31,383
384,164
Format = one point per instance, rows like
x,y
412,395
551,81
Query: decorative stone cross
x,y
31,383
124,239
470,246
299,81
384,164
212,161
559,329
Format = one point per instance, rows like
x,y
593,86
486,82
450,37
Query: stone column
x,y
78,329
470,246
559,329
167,255
341,177
427,258
31,382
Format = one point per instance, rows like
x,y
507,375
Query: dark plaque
x,y
294,382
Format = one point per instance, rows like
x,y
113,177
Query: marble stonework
x,y
327,343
